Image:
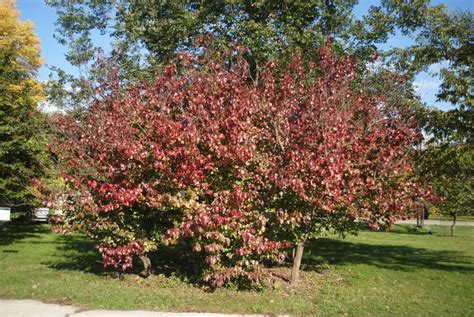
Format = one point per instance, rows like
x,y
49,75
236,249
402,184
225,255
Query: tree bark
x,y
295,272
147,268
455,216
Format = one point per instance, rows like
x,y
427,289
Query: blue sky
x,y
44,18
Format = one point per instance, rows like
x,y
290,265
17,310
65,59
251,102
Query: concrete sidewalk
x,y
33,308
429,222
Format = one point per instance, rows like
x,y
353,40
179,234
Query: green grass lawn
x,y
398,273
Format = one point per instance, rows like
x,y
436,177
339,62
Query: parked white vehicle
x,y
41,214
5,213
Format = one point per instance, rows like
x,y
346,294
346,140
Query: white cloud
x,y
425,86
434,69
47,107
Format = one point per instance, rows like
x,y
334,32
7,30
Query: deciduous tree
x,y
22,141
448,153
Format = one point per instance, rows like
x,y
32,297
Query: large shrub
x,y
232,168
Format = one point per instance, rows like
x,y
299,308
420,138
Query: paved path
x,y
437,222
33,308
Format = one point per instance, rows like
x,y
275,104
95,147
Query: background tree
x,y
146,34
444,38
448,154
449,167
447,160
22,141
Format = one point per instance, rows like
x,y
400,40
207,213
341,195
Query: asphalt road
x,y
429,222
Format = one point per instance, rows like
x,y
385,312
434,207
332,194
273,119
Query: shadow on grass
x,y
77,253
426,230
175,260
12,232
396,229
401,229
398,257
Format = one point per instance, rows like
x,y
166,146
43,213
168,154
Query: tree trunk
x,y
295,272
455,216
147,268
420,218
